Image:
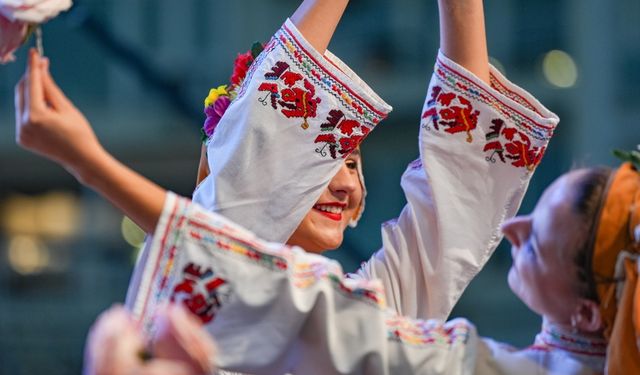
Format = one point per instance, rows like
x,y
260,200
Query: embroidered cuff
x,y
518,129
320,92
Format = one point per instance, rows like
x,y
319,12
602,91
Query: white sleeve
x,y
479,146
297,115
273,309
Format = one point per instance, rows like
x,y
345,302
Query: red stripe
x,y
162,244
383,115
602,354
505,88
493,96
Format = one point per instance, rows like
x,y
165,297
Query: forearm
x,y
136,196
318,19
463,36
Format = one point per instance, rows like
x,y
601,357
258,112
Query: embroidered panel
x,y
421,332
303,274
462,85
321,77
453,113
496,84
509,143
574,343
290,92
201,291
340,136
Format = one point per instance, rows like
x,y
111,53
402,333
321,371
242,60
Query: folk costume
x,y
274,309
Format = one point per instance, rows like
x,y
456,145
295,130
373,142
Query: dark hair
x,y
590,191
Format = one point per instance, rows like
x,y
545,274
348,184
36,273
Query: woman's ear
x,y
586,317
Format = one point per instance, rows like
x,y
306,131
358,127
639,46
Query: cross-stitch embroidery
x,y
297,97
455,113
509,143
201,291
341,136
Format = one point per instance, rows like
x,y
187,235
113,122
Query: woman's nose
x,y
344,182
516,229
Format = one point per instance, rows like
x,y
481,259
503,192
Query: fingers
x,y
34,99
52,93
19,100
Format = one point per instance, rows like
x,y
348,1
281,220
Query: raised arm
x,y
462,35
47,123
318,19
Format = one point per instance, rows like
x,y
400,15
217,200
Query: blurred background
x,y
140,69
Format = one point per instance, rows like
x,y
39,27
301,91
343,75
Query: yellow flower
x,y
214,94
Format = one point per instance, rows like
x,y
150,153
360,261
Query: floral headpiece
x,y
218,100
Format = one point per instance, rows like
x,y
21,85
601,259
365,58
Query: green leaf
x,y
631,156
256,49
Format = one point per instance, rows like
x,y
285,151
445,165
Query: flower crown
x,y
219,98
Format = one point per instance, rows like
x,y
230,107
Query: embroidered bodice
x,y
588,350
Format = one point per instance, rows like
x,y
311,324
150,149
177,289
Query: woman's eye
x,y
528,246
351,164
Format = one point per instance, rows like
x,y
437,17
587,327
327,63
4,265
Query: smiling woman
x,y
274,308
340,203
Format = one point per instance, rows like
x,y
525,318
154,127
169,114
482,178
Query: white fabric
x,y
458,194
284,310
267,171
278,309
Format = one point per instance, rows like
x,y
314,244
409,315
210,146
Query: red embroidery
x,y
297,98
509,143
350,134
201,291
455,113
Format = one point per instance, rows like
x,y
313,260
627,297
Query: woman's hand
x,y
47,123
115,345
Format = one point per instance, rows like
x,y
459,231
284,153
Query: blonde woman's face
x,y
323,226
544,246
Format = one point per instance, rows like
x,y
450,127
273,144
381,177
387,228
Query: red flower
x,y
240,67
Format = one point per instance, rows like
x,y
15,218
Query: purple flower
x,y
214,113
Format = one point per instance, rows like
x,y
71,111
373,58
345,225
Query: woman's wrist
x,y
92,168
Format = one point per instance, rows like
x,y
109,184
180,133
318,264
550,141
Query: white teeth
x,y
331,209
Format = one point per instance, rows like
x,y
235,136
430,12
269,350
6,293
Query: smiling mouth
x,y
332,211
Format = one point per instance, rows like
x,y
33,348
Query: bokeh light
x,y
559,69
28,255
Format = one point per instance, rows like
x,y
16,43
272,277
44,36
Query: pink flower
x,y
12,35
181,338
33,11
214,114
115,345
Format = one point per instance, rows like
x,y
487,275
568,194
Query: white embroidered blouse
x,y
273,309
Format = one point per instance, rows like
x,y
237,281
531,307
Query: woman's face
x,y
544,246
323,226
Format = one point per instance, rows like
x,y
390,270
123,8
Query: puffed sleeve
x,y
479,146
274,309
297,115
